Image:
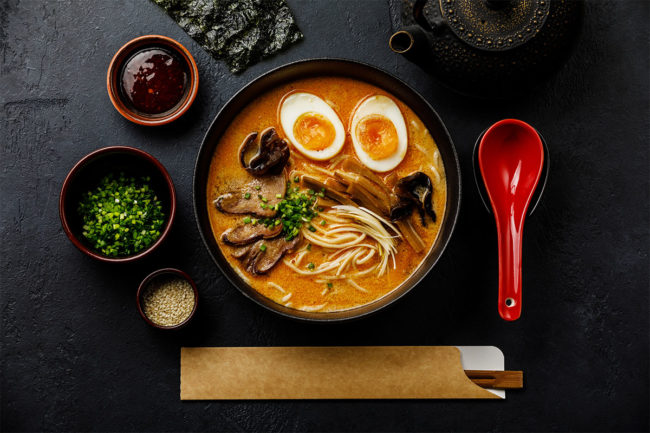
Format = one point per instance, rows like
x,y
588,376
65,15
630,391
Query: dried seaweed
x,y
241,32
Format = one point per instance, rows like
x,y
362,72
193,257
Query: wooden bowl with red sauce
x,y
152,80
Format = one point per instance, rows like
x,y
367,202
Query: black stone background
x,y
76,355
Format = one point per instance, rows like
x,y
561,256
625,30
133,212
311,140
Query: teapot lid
x,y
495,25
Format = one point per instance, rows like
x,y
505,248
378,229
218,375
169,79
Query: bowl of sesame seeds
x,y
167,299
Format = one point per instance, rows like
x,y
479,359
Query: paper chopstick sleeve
x,y
372,372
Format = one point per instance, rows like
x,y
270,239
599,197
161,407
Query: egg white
x,y
384,106
298,103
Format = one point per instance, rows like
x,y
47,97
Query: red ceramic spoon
x,y
511,157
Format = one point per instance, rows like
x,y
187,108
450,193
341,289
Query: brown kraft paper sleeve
x,y
366,372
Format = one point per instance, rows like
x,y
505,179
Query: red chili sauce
x,y
154,80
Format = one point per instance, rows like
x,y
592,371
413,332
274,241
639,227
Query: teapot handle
x,y
418,15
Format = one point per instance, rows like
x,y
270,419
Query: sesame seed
x,y
168,301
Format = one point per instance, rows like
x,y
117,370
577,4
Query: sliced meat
x,y
256,189
270,156
275,250
259,262
251,256
248,233
241,251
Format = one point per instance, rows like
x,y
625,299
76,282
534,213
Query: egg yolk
x,y
314,131
377,136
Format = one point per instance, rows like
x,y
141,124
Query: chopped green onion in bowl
x,y
122,216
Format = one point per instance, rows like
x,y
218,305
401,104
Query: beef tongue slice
x,y
247,233
259,262
257,190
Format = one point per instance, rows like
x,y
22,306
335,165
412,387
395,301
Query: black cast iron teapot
x,y
490,47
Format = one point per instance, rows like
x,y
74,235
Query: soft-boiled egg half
x,y
311,125
378,133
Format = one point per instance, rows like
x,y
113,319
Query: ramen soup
x,y
326,193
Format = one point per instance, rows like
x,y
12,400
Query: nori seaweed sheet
x,y
241,32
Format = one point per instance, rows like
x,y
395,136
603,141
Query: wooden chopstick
x,y
497,379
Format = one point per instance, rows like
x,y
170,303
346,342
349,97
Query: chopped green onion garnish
x,y
293,211
247,195
247,220
121,216
311,265
262,247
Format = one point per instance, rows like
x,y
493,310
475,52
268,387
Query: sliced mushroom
x,y
257,190
248,233
271,155
414,190
260,257
247,150
400,210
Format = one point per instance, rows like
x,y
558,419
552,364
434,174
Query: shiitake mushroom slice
x,y
270,155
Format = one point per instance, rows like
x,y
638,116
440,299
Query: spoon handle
x,y
510,231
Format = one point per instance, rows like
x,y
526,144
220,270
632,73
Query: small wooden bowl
x,y
90,170
152,276
114,75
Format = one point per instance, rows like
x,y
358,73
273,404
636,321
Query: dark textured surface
x,y
76,355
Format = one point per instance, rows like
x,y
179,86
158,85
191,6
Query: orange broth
x,y
342,94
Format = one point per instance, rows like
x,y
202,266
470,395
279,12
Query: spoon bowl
x,y
511,159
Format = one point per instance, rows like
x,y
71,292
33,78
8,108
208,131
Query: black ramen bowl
x,y
348,69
